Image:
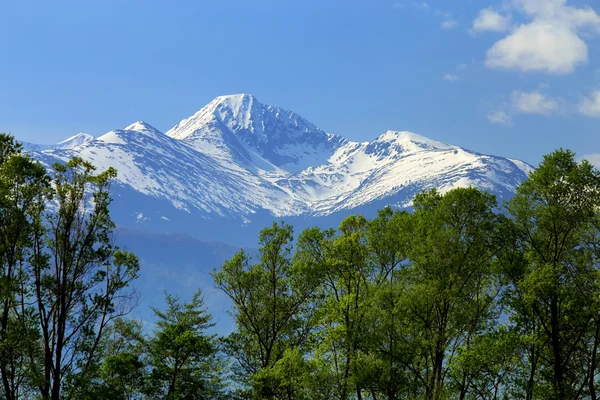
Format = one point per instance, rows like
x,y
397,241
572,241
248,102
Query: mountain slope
x,y
239,160
158,166
398,163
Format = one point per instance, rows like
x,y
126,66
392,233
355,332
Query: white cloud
x,y
449,24
590,106
450,77
461,67
520,102
539,46
551,42
490,20
558,10
534,103
499,117
594,159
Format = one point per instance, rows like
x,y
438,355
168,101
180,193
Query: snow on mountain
x,y
144,127
74,141
155,165
237,158
69,143
399,164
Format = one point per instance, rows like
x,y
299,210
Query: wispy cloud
x,y
448,20
490,20
499,117
449,24
450,77
590,106
453,76
421,4
538,103
535,103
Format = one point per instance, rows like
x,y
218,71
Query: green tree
x,y
486,365
183,358
273,305
345,310
123,367
388,238
513,266
79,279
120,369
289,377
449,295
23,186
555,291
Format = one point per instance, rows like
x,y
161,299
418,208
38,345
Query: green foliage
x,y
120,368
554,289
23,187
184,360
80,280
180,360
61,280
451,294
272,305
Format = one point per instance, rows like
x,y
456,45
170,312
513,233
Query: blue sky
x,y
515,78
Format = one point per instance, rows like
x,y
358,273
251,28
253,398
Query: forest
x,y
463,297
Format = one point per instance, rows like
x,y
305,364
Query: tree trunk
x,y
6,384
437,373
594,363
558,384
358,393
172,384
463,387
532,371
8,388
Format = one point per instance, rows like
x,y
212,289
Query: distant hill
x,y
179,264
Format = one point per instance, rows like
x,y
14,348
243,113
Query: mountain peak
x,y
237,126
235,109
75,140
236,97
67,144
141,126
406,137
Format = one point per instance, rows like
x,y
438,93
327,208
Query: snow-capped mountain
x,y
239,160
69,143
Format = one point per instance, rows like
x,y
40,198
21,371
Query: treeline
x,y
463,298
